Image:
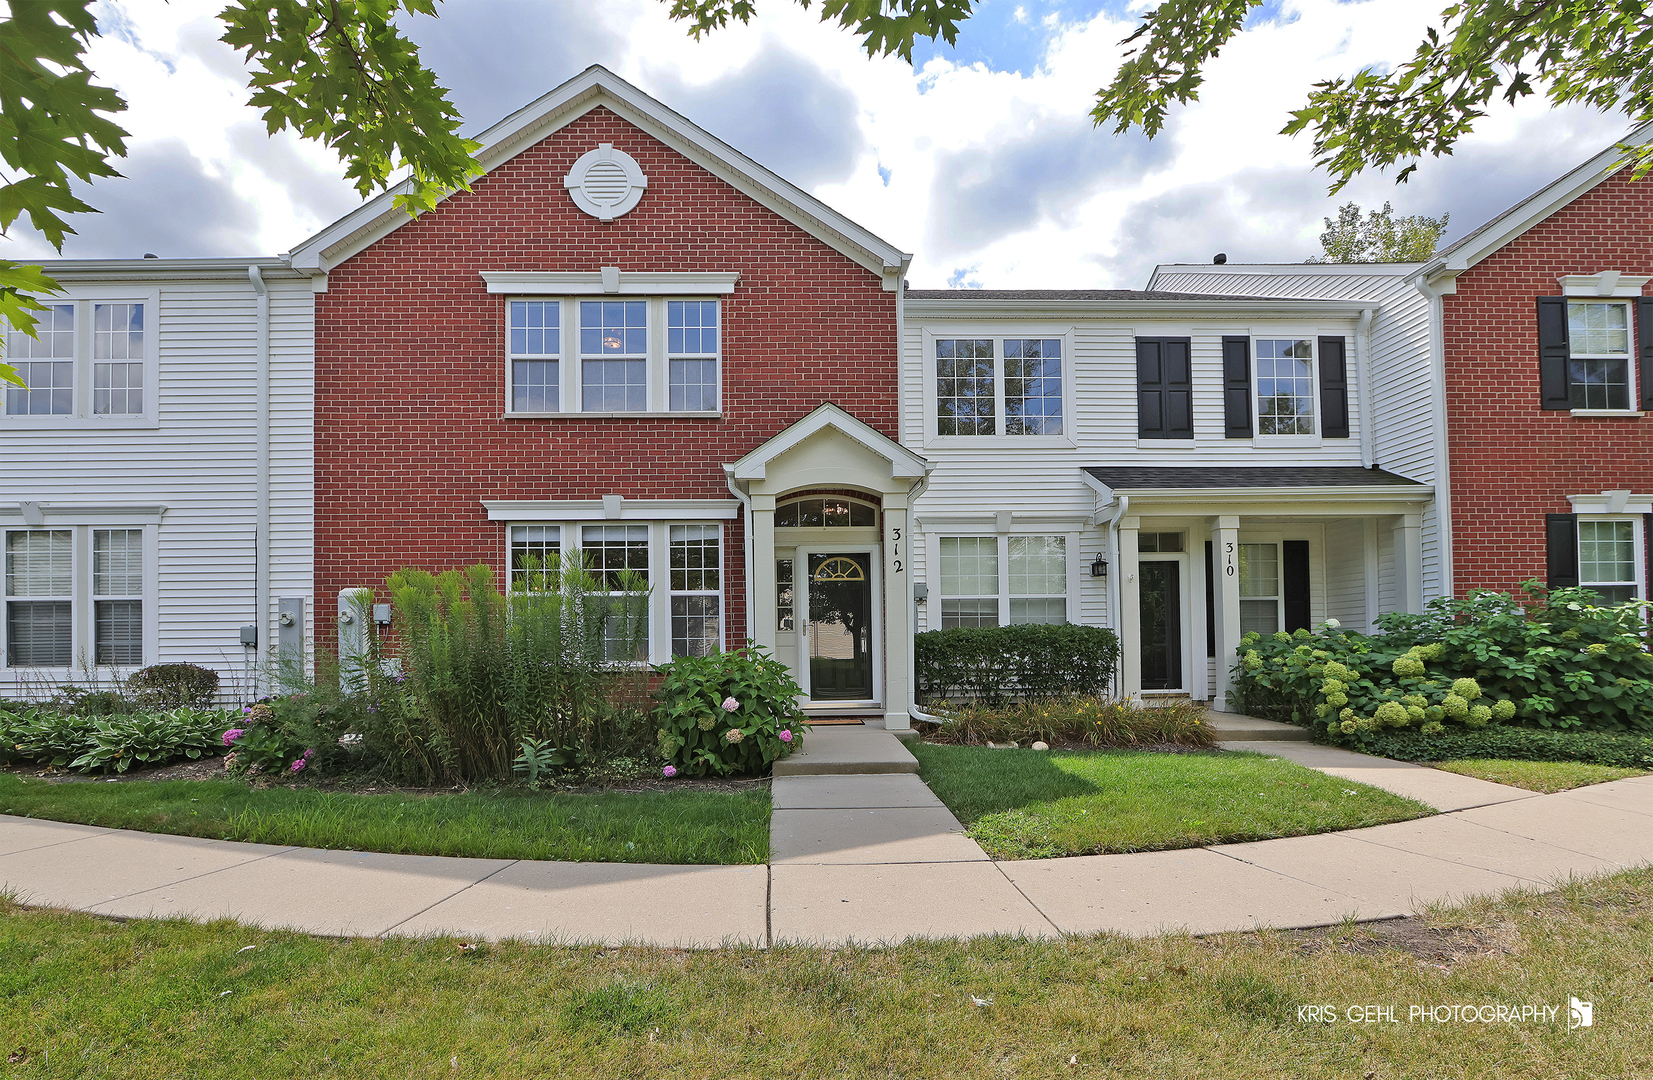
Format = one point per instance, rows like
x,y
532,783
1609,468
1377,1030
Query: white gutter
x,y
746,528
1437,392
261,588
1368,408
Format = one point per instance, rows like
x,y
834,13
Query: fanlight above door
x,y
840,569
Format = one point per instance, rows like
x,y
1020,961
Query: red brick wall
x,y
410,371
1511,461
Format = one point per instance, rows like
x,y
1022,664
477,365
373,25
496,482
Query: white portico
x,y
827,543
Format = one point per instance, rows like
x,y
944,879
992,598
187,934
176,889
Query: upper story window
x,y
980,380
1285,386
633,356
86,359
1598,339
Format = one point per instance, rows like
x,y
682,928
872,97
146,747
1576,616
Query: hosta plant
x,y
730,712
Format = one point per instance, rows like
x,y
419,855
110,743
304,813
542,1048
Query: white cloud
x,y
988,176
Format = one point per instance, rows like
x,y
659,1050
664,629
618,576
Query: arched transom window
x,y
825,513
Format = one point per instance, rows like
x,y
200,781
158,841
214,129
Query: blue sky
x,y
980,159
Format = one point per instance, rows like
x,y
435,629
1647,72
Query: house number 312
x,y
895,549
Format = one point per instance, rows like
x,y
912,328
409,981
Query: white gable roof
x,y
903,462
594,87
1464,253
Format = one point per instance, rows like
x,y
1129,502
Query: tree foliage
x,y
336,71
1380,237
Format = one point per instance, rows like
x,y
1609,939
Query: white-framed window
x,y
1261,597
535,557
1003,580
696,589
1610,557
609,551
1285,386
1014,386
646,355
91,360
827,512
77,597
1599,372
784,597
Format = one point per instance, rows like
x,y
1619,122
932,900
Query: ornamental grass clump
x,y
730,712
1555,660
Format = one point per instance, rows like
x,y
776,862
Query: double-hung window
x,y
1598,363
1285,386
575,356
88,360
1260,592
1607,558
75,597
1001,386
613,553
536,558
1003,580
696,593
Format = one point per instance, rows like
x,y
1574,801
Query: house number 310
x,y
895,549
1229,551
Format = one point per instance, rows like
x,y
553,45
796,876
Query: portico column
x,y
898,600
760,576
1130,611
1225,592
1409,563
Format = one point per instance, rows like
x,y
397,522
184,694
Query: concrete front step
x,y
848,750
1232,727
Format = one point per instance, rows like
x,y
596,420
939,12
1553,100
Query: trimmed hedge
x,y
161,687
992,665
1516,744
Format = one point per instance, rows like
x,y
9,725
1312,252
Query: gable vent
x,y
606,183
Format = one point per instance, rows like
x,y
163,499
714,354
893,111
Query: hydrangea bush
x,y
730,712
1555,659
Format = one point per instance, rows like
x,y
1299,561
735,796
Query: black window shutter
x,y
1561,550
1237,387
1294,583
1553,353
1647,553
1164,388
1211,603
1334,389
1644,332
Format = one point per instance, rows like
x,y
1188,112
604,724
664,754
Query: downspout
x,y
746,528
1368,407
261,586
1437,390
1111,593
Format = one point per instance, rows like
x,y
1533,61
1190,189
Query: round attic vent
x,y
606,183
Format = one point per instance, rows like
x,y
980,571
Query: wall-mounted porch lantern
x,y
1099,567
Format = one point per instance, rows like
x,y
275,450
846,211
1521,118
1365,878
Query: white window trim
x,y
85,299
1638,552
938,531
659,546
570,362
1258,439
1065,334
83,641
1632,376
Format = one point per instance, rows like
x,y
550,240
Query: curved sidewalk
x,y
866,858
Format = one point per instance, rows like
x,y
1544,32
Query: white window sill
x,y
67,423
1286,442
1165,444
684,415
1607,412
1005,442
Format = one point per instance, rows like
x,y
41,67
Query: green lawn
x,y
1545,776
644,827
86,997
1022,804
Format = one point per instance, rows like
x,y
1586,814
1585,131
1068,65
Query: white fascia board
x,y
629,510
48,514
1285,270
1367,493
631,283
93,270
903,462
1173,310
593,87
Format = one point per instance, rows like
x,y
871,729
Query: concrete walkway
x,y
862,850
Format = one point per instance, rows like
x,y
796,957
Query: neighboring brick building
x,y
1547,337
568,356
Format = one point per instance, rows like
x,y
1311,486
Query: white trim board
x,y
607,281
612,508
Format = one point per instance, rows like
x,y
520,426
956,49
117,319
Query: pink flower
x,y
669,771
786,735
730,704
734,735
308,754
298,765
233,734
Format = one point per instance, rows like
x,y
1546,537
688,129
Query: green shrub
x,y
992,665
1517,744
173,686
45,737
1074,720
283,736
733,711
1555,661
71,700
120,742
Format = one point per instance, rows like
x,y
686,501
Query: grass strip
x,y
640,827
1543,776
83,996
1022,804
